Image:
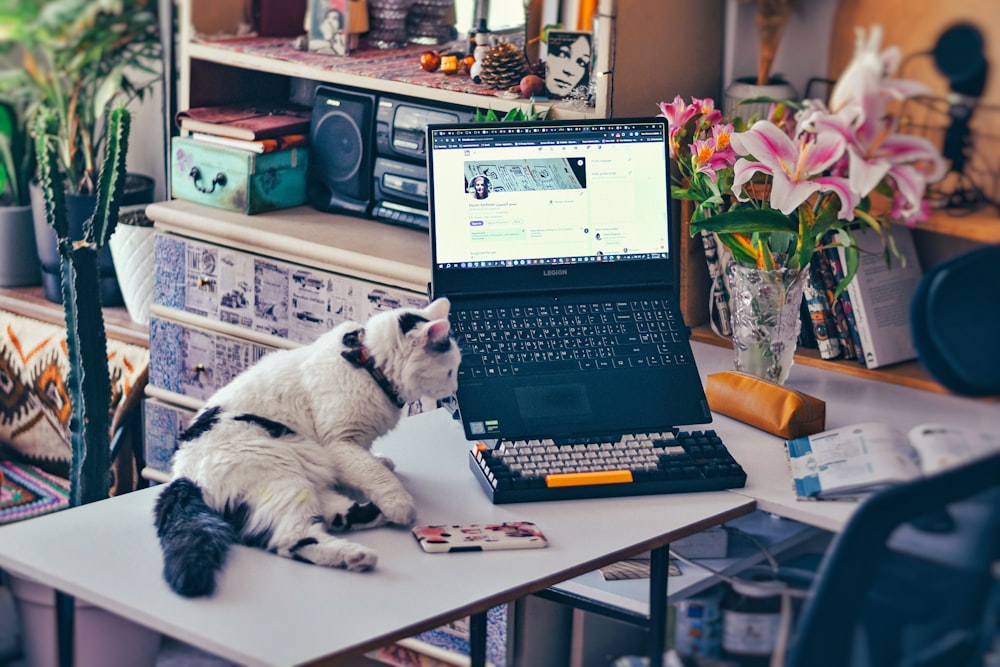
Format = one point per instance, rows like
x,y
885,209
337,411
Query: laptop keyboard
x,y
522,340
633,465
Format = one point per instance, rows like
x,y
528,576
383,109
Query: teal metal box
x,y
235,179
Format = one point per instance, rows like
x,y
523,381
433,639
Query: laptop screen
x,y
510,198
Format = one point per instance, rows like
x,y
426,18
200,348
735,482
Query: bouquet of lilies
x,y
773,190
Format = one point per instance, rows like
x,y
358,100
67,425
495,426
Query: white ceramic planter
x,y
741,90
101,639
132,253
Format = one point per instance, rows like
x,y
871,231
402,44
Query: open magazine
x,y
862,458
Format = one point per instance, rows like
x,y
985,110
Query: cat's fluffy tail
x,y
195,538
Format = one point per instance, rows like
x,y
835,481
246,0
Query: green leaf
x,y
747,221
739,254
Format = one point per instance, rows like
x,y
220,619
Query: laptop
x,y
551,238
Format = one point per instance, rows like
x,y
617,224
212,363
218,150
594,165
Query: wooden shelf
x,y
942,236
31,302
395,72
908,374
979,226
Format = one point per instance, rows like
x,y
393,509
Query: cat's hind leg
x,y
294,527
315,545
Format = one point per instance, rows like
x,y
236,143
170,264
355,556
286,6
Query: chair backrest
x,y
909,579
954,317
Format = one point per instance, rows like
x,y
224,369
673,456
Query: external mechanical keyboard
x,y
633,465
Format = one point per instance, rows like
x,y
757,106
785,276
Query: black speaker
x,y
342,151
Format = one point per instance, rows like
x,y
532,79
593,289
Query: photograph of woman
x,y
328,28
567,65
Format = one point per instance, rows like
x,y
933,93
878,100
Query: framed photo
x,y
328,27
568,63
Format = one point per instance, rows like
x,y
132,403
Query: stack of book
x,y
870,320
249,158
258,128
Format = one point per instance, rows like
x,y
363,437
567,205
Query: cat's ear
x,y
438,309
439,336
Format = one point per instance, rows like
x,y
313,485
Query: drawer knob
x,y
199,369
205,282
195,174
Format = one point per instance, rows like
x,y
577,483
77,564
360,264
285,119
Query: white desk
x,y
274,611
849,400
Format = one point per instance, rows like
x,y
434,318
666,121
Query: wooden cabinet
x,y
231,287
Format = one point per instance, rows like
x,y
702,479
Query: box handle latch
x,y
219,180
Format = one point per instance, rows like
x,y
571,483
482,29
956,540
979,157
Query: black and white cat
x,y
280,458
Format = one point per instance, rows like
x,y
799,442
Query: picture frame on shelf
x,y
329,27
568,64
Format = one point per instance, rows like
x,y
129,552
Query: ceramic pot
x,y
132,252
139,190
18,255
744,89
765,319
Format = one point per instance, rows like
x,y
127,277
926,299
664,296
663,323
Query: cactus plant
x,y
89,383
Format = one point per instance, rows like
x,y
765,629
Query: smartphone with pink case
x,y
480,537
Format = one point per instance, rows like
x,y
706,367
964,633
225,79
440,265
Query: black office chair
x,y
909,582
955,320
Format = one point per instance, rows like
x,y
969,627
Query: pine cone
x,y
503,66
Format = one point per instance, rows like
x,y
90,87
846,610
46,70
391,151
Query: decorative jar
x,y
387,23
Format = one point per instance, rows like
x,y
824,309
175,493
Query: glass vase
x,y
765,317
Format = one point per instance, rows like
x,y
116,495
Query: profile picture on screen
x,y
480,187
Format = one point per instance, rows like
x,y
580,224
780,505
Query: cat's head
x,y
415,349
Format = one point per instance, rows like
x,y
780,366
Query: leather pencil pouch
x,y
766,405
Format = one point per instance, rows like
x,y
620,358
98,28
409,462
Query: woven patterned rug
x,y
35,401
28,492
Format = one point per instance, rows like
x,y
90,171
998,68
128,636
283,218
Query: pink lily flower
x,y
677,112
703,158
792,166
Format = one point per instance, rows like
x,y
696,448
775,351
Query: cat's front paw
x,y
399,508
357,517
386,461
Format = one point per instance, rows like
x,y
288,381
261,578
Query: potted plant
x,y
84,57
18,256
751,94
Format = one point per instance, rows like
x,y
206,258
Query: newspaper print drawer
x,y
163,424
262,294
195,362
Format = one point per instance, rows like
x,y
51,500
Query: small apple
x,y
532,85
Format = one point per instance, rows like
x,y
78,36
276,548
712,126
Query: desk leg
x,y
64,628
659,573
477,640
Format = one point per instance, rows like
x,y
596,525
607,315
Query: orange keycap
x,y
589,478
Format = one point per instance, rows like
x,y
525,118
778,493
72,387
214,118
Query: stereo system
x,y
367,154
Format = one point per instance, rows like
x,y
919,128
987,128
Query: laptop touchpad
x,y
553,401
